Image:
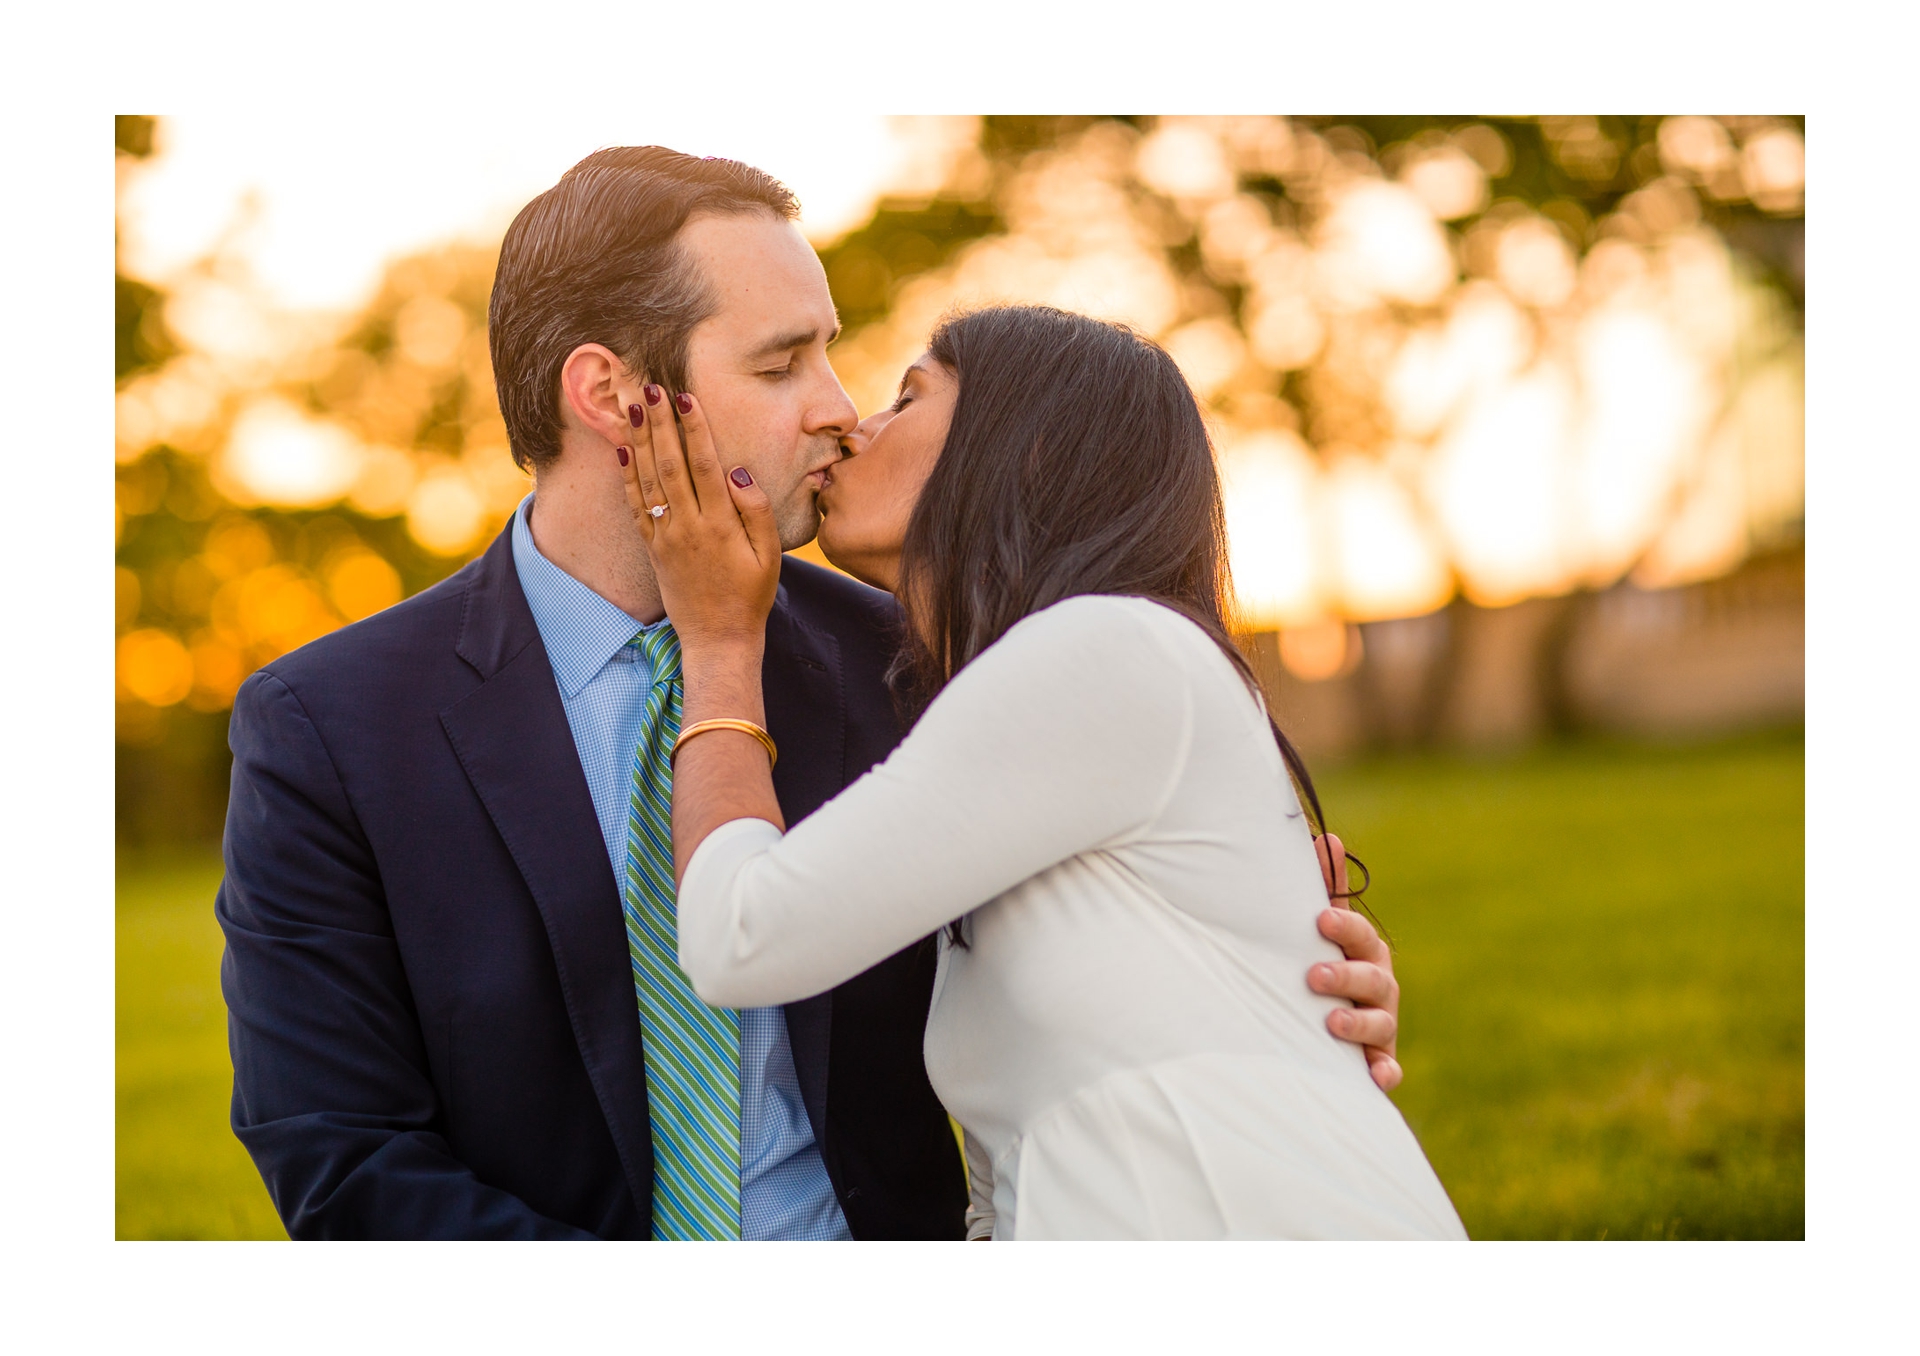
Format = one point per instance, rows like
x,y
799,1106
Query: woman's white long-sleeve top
x,y
1128,1037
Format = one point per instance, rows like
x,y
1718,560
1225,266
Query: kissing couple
x,y
640,881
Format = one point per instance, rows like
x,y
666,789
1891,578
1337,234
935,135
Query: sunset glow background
x,y
1420,387
1510,415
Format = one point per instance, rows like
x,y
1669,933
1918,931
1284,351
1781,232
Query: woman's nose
x,y
865,431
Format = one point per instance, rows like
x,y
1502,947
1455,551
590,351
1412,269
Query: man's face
x,y
759,363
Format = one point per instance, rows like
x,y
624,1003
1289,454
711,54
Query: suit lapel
x,y
807,717
512,738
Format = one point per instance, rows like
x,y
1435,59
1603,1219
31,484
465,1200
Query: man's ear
x,y
592,383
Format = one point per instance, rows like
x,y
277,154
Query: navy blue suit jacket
x,y
431,1011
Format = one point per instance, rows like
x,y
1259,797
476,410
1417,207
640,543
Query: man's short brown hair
x,y
594,259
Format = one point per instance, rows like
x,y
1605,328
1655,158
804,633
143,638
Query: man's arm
x,y
331,1093
1365,976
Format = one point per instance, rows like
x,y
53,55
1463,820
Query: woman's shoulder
x,y
1101,648
1108,624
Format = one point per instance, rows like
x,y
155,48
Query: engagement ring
x,y
657,510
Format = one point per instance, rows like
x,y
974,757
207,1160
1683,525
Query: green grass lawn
x,y
179,1172
1602,951
1602,948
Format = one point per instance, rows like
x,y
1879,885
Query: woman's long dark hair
x,y
1077,463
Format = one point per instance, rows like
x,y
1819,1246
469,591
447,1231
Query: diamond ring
x,y
658,510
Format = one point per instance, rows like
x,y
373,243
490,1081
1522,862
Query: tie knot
x,y
662,649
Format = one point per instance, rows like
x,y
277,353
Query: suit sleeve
x,y
331,1092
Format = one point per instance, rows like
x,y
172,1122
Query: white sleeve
x,y
1068,734
980,1213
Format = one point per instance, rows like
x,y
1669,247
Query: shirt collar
x,y
580,629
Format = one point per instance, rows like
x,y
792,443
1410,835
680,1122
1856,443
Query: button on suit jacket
x,y
430,1005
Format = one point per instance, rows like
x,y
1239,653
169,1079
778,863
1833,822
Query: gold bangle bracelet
x,y
700,727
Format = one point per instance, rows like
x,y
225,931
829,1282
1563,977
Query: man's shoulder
x,y
397,644
836,602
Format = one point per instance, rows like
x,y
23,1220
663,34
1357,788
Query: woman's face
x,y
870,492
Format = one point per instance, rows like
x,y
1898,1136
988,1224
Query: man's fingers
x,y
703,463
1354,934
1385,1069
1333,867
1361,981
1364,1026
669,460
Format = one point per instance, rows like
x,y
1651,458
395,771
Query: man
x,y
445,1017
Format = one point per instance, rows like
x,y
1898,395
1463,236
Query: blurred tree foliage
x,y
1551,165
216,577
210,585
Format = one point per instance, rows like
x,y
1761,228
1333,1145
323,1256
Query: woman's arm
x,y
1066,736
724,775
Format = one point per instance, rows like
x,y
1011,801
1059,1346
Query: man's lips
x,y
821,476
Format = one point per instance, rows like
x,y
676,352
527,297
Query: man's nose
x,y
835,414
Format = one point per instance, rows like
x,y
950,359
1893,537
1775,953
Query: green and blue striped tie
x,y
692,1051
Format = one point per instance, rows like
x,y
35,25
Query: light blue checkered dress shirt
x,y
603,678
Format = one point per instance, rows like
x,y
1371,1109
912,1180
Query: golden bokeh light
x,y
1427,370
1449,181
1322,650
1268,480
270,611
1186,161
1209,351
1534,263
154,666
1773,168
1386,562
278,454
126,596
385,481
446,513
1381,241
361,584
218,671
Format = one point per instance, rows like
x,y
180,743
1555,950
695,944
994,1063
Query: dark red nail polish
x,y
741,478
684,403
652,393
635,415
622,454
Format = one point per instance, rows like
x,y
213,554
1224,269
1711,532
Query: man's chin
x,y
799,524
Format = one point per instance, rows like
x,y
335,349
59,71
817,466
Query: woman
x,y
1093,803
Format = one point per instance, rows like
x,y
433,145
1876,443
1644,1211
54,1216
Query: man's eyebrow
x,y
783,343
